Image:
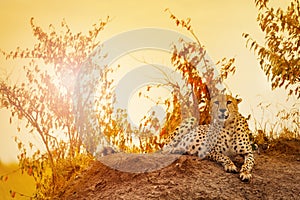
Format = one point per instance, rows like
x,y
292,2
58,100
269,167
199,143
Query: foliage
x,y
99,114
101,124
69,117
279,57
44,101
202,79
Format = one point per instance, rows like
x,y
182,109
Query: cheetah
x,y
227,135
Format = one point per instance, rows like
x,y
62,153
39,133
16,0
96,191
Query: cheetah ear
x,y
239,100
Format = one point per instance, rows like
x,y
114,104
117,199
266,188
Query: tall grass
x,y
285,123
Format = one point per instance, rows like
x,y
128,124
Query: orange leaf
x,y
30,171
12,193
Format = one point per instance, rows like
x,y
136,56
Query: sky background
x,y
218,25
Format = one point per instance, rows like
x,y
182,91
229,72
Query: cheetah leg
x,y
245,173
224,160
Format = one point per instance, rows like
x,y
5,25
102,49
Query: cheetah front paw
x,y
230,168
245,176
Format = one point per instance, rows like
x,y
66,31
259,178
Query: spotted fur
x,y
227,135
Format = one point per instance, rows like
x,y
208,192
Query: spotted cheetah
x,y
227,135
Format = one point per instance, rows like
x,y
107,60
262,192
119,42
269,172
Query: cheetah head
x,y
224,107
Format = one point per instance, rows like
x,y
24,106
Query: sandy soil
x,y
276,176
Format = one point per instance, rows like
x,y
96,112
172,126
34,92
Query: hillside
x,y
276,176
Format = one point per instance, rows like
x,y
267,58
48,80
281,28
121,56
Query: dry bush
x,y
44,101
279,56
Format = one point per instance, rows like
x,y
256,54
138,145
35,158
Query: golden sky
x,y
218,24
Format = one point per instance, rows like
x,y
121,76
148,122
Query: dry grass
x,y
284,126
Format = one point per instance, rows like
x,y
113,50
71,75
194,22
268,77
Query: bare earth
x,y
276,176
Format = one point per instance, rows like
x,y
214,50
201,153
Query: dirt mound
x,y
138,163
275,176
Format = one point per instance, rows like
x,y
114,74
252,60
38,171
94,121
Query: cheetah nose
x,y
222,110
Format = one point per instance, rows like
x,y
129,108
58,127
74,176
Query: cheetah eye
x,y
229,102
216,102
